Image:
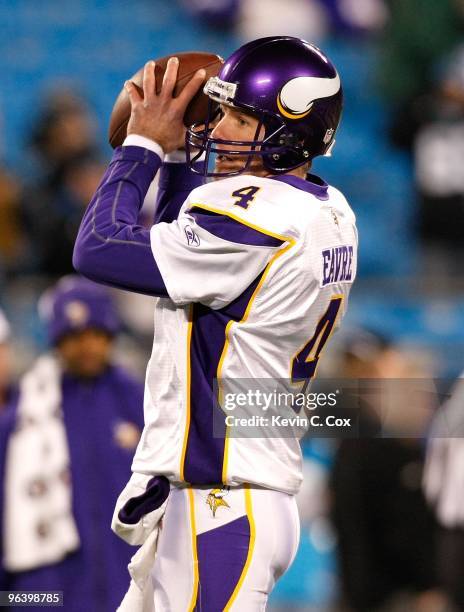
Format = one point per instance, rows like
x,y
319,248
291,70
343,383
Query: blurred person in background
x,y
53,219
385,530
65,128
418,34
69,448
432,127
444,488
13,243
68,170
6,367
311,19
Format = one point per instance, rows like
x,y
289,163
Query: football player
x,y
253,272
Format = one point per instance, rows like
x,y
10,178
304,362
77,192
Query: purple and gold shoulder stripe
x,y
226,227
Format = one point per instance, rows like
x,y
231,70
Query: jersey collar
x,y
313,184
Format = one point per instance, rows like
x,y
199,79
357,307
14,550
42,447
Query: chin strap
x,y
328,153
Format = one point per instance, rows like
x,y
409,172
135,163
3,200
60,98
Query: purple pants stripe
x,y
222,554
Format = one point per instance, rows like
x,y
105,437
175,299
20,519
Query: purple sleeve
x,y
176,181
110,247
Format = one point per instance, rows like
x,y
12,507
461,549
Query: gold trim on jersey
x,y
291,242
188,392
239,219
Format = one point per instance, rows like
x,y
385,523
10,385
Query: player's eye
x,y
242,122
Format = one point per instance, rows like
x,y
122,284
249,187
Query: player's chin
x,y
228,164
223,163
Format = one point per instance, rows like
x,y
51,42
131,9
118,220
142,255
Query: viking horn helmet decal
x,y
297,96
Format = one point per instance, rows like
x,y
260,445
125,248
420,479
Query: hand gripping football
x,y
189,63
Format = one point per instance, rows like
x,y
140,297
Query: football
x,y
189,63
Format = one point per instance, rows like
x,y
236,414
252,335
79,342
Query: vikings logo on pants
x,y
216,555
216,499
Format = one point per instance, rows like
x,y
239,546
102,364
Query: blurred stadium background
x,y
399,159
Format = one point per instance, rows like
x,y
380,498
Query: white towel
x,y
39,527
139,597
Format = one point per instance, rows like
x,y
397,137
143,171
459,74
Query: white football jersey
x,y
258,271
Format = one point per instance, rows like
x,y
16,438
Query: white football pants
x,y
223,549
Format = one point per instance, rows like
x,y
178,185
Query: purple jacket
x,y
95,577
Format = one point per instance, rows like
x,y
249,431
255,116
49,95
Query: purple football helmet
x,y
293,90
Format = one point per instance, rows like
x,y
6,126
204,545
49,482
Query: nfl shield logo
x,y
192,238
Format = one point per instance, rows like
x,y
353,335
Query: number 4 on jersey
x,y
245,195
304,364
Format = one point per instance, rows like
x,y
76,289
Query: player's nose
x,y
216,131
219,131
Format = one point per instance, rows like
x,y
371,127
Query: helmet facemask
x,y
279,149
